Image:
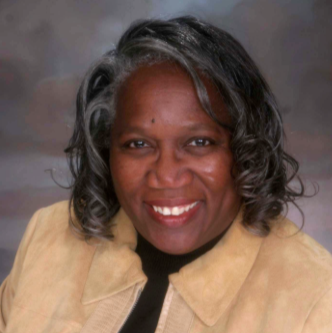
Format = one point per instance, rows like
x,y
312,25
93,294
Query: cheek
x,y
216,171
126,176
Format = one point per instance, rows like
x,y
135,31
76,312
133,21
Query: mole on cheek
x,y
152,121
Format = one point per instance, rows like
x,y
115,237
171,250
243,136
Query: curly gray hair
x,y
263,168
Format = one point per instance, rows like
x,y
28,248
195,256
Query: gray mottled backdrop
x,y
46,46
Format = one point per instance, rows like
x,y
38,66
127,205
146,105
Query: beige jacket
x,y
244,284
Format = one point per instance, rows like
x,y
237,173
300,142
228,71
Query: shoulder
x,y
52,220
49,234
50,243
295,260
287,237
56,215
50,267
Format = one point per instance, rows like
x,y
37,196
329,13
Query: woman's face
x,y
170,162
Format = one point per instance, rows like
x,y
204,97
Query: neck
x,y
156,262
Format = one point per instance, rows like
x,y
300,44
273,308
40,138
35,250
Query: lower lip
x,y
172,221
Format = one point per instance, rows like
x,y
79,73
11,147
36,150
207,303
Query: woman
x,y
180,179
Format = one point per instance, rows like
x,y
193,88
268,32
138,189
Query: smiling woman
x,y
180,182
182,161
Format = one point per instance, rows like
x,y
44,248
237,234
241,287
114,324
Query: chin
x,y
173,244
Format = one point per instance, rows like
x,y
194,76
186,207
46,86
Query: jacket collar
x,y
208,284
115,266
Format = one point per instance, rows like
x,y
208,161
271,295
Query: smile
x,y
175,211
174,216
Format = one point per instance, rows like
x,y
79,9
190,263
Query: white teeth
x,y
174,210
166,211
177,211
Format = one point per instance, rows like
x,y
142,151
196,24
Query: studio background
x,y
46,47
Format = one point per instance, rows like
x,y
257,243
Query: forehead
x,y
166,88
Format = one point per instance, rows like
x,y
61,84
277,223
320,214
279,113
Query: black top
x,y
157,265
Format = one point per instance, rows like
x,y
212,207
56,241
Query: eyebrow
x,y
192,128
209,127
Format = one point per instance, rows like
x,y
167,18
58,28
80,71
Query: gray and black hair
x,y
263,169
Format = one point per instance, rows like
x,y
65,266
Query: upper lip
x,y
170,202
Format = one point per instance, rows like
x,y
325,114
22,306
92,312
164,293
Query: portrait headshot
x,y
166,166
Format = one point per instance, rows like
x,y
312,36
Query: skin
x,y
164,145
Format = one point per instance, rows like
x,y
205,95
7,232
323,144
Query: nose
x,y
170,170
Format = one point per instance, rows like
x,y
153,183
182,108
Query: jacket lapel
x,y
115,266
210,283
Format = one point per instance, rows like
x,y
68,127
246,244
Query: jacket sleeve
x,y
320,317
9,285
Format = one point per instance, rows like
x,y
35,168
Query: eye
x,y
201,142
137,144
